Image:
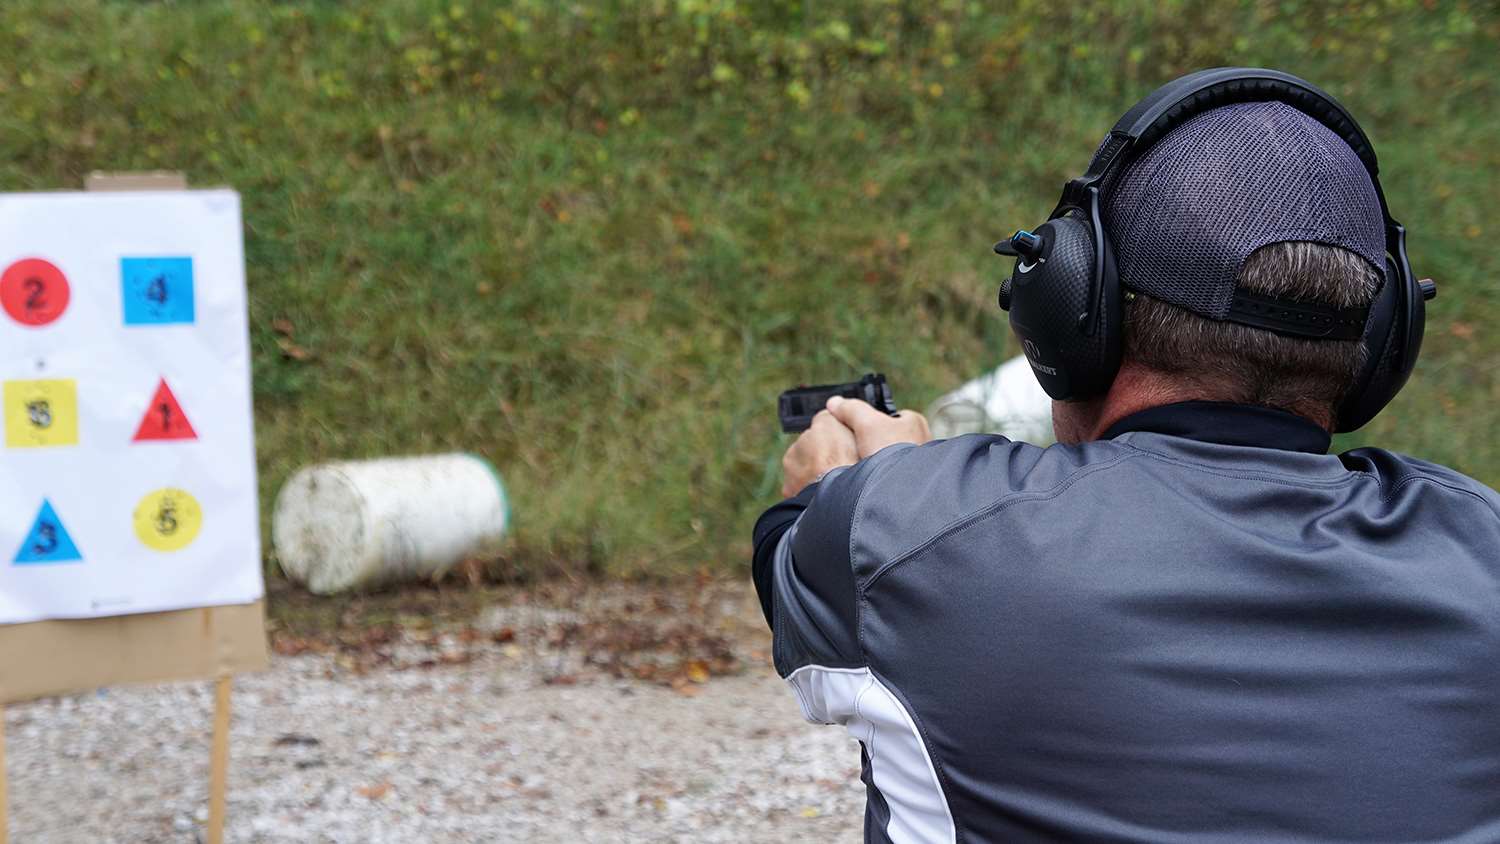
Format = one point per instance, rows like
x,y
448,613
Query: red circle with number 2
x,y
33,291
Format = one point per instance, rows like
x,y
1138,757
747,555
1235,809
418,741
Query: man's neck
x,y
1137,388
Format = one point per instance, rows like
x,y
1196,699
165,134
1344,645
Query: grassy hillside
x,y
592,241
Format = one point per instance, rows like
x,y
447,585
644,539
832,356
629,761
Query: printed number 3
x,y
46,539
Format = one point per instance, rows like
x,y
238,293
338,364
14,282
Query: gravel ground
x,y
517,734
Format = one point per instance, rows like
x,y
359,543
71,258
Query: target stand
x,y
202,617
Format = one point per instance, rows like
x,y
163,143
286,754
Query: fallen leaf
x,y
292,350
374,792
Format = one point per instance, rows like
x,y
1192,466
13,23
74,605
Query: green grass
x,y
592,241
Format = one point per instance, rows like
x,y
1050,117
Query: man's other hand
x,y
826,444
874,430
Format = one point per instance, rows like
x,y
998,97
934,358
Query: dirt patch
x,y
549,712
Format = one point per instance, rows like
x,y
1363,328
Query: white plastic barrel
x,y
359,524
1006,401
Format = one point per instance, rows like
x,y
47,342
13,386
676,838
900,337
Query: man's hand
x,y
848,431
826,444
874,430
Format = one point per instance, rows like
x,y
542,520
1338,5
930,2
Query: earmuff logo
x,y
1033,357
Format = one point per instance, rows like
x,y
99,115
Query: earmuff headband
x,y
1180,100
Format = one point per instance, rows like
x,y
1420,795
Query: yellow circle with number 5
x,y
168,519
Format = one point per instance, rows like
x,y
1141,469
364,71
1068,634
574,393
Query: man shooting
x,y
1186,621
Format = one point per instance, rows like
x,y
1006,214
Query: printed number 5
x,y
166,519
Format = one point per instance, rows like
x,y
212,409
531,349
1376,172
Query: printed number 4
x,y
156,291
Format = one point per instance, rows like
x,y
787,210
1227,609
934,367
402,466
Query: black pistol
x,y
799,405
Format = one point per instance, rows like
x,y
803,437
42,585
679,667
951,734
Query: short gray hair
x,y
1226,361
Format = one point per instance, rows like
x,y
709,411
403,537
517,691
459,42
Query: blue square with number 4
x,y
157,290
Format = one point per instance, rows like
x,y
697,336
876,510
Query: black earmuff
x,y
1061,308
1064,298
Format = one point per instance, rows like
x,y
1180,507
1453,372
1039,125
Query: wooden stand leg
x,y
218,774
4,806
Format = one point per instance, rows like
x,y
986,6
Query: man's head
x,y
1257,197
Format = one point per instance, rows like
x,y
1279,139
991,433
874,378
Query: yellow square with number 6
x,y
41,413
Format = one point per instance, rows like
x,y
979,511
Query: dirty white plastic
x,y
359,524
1006,401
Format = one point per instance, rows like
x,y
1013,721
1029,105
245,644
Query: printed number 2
x,y
36,288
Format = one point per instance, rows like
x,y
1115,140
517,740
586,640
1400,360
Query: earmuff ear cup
x,y
1390,352
1069,327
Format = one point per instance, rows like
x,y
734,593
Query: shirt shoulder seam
x,y
1256,474
1402,481
965,521
859,501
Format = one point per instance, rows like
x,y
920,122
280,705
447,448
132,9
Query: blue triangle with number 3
x,y
48,541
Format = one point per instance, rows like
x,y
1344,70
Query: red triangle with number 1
x,y
164,419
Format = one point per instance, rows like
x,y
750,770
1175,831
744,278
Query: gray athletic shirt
x,y
1202,628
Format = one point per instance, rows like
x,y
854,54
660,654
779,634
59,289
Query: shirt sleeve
x,y
804,575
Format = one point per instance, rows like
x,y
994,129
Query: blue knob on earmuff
x,y
1023,244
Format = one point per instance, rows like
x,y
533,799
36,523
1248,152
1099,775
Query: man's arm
x,y
804,576
802,570
769,529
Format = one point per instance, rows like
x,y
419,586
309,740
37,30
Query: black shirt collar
x,y
1228,424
